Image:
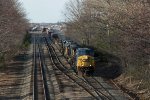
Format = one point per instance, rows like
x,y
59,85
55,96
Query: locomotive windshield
x,y
85,52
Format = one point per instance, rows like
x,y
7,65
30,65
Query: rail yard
x,y
74,50
47,75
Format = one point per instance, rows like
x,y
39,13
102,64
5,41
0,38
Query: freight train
x,y
80,58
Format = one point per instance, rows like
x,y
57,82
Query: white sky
x,y
48,11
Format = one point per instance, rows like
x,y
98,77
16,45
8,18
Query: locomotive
x,y
85,63
80,58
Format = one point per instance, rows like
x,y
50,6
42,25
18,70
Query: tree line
x,y
13,24
120,27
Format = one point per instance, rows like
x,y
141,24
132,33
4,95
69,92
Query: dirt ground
x,y
12,78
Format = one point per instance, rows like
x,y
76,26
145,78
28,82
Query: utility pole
x,y
108,34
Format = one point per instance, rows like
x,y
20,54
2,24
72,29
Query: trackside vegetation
x,y
116,27
26,40
13,25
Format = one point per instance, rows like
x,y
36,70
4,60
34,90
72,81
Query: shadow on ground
x,y
21,57
13,78
108,66
108,70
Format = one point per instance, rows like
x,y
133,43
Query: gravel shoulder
x,y
15,79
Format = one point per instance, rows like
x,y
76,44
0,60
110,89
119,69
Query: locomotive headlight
x,y
90,65
86,57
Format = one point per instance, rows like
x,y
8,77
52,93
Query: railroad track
x,y
40,89
95,83
130,95
98,87
95,93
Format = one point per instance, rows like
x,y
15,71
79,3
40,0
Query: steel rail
x,y
43,75
34,96
86,79
41,66
112,82
104,88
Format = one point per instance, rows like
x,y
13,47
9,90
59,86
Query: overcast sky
x,y
44,10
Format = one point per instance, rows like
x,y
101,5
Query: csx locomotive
x,y
81,58
85,61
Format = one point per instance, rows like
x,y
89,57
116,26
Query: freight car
x,y
44,30
55,37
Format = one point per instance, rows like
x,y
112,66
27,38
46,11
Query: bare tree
x,y
120,27
13,24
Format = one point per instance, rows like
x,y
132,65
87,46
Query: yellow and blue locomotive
x,y
85,63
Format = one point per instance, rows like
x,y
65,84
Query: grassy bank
x,y
26,41
2,60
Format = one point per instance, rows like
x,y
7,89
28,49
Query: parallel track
x,y
96,94
96,85
40,88
116,85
